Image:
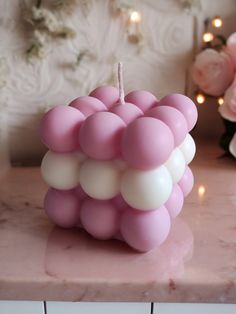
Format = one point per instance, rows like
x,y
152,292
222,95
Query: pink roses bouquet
x,y
215,74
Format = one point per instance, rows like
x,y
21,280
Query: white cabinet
x,y
98,308
188,308
21,307
31,307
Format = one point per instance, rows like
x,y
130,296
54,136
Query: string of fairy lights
x,y
134,31
213,40
210,39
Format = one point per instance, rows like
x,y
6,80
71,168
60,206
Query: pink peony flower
x,y
213,72
232,146
228,109
230,48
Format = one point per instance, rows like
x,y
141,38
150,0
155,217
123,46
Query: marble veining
x,y
196,264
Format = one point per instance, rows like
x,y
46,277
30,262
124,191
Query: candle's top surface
x,y
196,264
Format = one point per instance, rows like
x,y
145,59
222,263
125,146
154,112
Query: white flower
x,y
213,72
228,109
232,146
39,37
45,19
230,48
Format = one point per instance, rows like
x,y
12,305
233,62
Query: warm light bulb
x,y
217,22
135,17
200,98
207,37
220,101
201,191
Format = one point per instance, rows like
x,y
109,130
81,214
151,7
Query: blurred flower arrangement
x,y
46,25
46,22
191,5
214,72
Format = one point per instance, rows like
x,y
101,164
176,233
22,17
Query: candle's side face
x,y
119,169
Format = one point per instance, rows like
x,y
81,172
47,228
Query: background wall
x,y
171,37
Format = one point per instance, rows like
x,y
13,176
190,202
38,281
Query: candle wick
x,y
121,84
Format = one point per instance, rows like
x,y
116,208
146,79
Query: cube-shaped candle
x,y
118,166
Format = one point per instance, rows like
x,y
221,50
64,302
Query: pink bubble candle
x,y
118,166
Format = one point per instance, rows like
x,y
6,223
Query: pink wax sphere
x,y
147,143
173,118
99,218
186,182
59,128
88,105
146,230
184,104
175,202
127,112
142,99
62,207
109,95
100,135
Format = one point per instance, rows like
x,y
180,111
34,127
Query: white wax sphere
x,y
176,165
146,190
188,148
61,171
100,179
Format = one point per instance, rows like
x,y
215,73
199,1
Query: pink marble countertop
x,y
197,263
